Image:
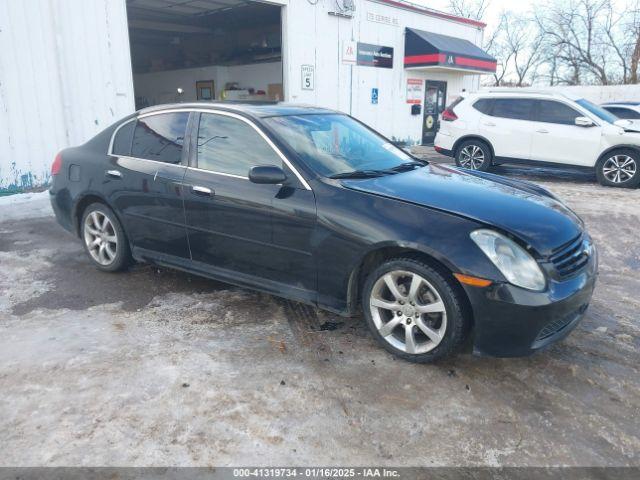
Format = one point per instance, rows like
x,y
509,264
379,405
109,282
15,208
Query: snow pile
x,y
25,205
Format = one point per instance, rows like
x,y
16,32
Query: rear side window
x,y
516,108
624,113
122,140
160,137
556,112
231,146
484,105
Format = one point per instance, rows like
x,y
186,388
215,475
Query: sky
x,y
493,11
497,6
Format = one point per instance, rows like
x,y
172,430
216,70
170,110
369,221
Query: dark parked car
x,y
312,205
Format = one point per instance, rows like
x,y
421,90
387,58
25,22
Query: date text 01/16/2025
x,y
316,472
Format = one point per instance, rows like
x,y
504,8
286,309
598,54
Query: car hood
x,y
633,126
525,210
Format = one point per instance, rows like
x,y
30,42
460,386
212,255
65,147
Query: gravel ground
x,y
154,367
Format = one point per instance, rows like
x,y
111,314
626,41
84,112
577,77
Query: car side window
x,y
515,108
484,105
624,113
229,145
122,140
160,137
556,112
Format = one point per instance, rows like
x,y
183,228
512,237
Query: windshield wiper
x,y
405,167
361,174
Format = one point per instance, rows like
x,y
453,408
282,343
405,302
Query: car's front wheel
x,y
413,311
620,168
474,155
104,239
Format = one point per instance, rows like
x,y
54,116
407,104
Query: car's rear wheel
x,y
104,239
413,311
620,168
474,155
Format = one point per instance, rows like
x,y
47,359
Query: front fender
x,y
635,148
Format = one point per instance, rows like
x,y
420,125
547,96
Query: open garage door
x,y
188,50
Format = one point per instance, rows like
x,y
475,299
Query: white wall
x,y
65,74
601,94
160,87
313,37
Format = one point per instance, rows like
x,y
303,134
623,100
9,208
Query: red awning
x,y
433,50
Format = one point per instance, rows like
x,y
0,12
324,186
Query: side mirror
x,y
268,174
584,122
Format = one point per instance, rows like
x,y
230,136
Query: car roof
x,y
525,93
251,109
622,104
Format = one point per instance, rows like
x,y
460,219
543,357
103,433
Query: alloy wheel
x,y
471,157
408,312
100,238
619,168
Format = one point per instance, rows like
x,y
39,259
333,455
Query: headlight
x,y
511,259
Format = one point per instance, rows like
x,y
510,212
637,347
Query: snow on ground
x,y
25,205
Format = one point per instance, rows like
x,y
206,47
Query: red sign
x,y
414,90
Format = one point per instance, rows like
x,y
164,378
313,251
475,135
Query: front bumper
x,y
513,322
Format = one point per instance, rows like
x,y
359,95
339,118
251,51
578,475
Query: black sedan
x,y
312,205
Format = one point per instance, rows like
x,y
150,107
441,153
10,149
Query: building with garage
x,y
69,68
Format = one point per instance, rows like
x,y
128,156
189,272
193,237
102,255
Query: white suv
x,y
536,127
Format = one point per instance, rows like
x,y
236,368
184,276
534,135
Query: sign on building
x,y
349,51
384,19
414,90
374,96
308,80
375,55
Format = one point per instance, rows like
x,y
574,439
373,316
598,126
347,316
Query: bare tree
x,y
517,50
620,48
474,9
563,42
583,34
499,49
632,28
524,44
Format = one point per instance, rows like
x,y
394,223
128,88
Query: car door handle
x,y
202,191
542,130
113,173
490,124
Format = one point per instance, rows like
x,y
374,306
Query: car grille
x,y
570,257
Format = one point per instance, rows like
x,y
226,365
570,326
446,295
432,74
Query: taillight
x,y
448,115
57,164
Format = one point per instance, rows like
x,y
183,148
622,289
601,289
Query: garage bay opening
x,y
184,51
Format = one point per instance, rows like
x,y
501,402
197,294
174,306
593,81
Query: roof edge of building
x,y
428,11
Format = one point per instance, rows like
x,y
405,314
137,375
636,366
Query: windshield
x,y
337,145
599,112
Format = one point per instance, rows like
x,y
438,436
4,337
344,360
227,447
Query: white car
x,y
624,111
540,128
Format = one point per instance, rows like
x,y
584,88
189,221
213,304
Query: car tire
x,y
619,168
474,155
433,312
104,239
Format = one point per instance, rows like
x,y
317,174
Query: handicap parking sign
x,y
374,96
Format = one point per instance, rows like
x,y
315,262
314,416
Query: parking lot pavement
x,y
153,367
